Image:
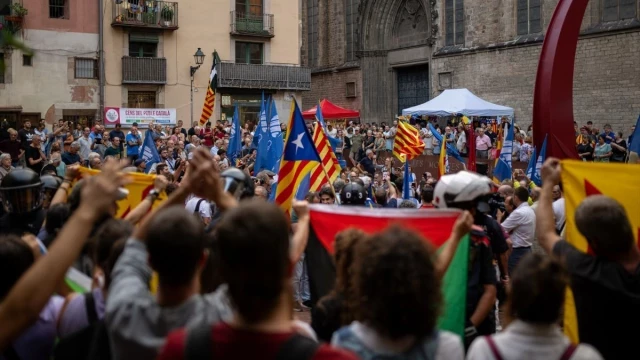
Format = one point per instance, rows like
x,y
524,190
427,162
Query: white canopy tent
x,y
458,102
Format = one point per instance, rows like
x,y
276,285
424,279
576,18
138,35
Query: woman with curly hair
x,y
396,301
331,313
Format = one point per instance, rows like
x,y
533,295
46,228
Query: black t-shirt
x,y
120,135
25,137
33,153
368,165
496,235
23,223
480,273
607,299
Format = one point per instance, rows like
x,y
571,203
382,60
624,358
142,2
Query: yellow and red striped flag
x,y
407,143
581,179
329,165
210,99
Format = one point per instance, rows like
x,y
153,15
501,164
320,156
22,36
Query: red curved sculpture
x,y
553,96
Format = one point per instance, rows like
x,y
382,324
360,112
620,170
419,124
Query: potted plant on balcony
x,y
18,12
167,15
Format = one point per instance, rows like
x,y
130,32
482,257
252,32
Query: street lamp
x,y
198,57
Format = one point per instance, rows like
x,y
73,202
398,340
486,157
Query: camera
x,y
496,202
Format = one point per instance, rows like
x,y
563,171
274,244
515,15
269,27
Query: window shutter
x,y
459,22
628,9
449,23
610,10
535,16
523,17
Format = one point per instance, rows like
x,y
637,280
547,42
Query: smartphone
x,y
385,176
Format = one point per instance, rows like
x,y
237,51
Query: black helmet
x,y
51,182
238,183
353,194
21,191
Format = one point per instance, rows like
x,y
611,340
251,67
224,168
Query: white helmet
x,y
462,188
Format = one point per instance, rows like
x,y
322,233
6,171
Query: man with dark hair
x,y
607,280
256,258
326,196
427,198
521,225
170,242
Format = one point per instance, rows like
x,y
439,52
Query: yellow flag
x,y
139,188
581,179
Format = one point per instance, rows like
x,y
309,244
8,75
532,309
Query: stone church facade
x,y
380,56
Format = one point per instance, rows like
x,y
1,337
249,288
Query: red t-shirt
x,y
230,343
427,206
207,137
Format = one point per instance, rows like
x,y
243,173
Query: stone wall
x,y
332,86
494,63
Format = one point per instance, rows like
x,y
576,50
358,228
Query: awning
x,y
458,102
331,111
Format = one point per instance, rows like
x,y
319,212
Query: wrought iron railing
x,y
11,23
141,13
280,77
243,23
144,70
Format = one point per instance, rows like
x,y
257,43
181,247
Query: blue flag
x,y
274,140
148,151
406,182
262,117
451,150
537,179
235,139
531,167
634,139
503,167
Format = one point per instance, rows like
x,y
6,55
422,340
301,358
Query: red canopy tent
x,y
331,111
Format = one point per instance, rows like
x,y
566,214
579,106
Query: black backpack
x,y
92,342
198,346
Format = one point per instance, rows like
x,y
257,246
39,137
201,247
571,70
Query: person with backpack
x,y
537,295
256,262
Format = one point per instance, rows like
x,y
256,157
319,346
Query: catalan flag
x,y
329,169
407,143
210,99
298,159
579,180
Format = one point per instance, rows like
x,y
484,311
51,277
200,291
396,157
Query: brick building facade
x,y
378,56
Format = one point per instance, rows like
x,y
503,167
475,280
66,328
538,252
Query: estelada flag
x,y
434,225
581,179
139,188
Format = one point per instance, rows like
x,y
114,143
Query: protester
x,y
537,295
606,280
255,264
520,225
382,328
25,300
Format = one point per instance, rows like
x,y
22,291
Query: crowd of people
x,y
217,271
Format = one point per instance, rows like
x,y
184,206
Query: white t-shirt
x,y
558,212
204,210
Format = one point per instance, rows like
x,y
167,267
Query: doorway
x,y
413,86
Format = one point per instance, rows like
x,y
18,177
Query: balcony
x,y
144,70
11,23
251,25
146,14
277,77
